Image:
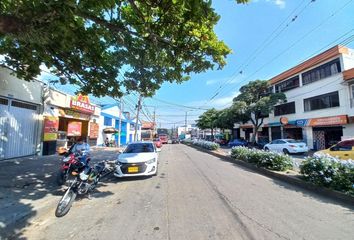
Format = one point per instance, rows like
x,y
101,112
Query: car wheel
x,y
267,149
286,151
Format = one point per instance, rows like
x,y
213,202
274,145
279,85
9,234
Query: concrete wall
x,y
13,87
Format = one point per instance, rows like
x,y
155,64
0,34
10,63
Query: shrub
x,y
327,171
202,143
261,158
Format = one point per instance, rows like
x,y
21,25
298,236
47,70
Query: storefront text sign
x,y
82,103
74,128
51,125
73,114
325,121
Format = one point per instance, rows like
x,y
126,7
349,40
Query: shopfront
x,y
326,131
68,118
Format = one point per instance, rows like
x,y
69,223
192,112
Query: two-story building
x,y
320,106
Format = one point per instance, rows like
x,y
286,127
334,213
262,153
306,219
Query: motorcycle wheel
x,y
61,177
65,203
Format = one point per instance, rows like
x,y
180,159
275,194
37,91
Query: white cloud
x,y
211,82
279,3
217,103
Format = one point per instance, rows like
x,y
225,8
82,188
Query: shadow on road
x,y
28,185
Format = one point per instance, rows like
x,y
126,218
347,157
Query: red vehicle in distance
x,y
163,138
157,142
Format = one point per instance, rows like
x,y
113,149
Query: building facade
x,y
109,126
20,116
67,118
319,108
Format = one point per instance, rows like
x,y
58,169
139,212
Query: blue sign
x,y
301,122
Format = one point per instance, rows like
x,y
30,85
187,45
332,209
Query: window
x,y
268,91
287,84
283,109
4,101
107,121
321,72
23,105
328,100
352,96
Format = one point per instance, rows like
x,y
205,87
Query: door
x,y
18,127
4,106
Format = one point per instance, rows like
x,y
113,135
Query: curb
x,y
296,181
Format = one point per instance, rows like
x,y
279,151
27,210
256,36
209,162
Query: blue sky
x,y
267,37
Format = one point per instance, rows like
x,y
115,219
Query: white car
x,y
286,146
138,159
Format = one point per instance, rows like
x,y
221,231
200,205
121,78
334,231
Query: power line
x,y
297,41
260,48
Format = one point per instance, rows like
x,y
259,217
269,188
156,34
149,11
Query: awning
x,y
110,130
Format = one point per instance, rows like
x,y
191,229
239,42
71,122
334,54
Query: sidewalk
x,y
28,188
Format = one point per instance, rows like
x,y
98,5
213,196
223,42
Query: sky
x,y
267,37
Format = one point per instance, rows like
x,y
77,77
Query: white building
x,y
319,107
20,121
109,120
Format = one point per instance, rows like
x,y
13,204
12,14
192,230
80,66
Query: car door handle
x,y
346,155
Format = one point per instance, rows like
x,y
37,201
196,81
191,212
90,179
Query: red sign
x,y
82,103
51,125
327,121
93,130
74,128
284,120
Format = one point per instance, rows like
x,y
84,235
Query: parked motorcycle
x,y
70,163
85,181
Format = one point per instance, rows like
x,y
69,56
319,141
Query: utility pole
x,y
120,120
185,122
154,130
137,119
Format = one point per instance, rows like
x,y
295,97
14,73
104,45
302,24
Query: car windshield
x,y
139,148
291,141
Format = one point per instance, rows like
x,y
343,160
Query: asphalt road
x,y
197,196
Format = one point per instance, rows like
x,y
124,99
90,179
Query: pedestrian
x,y
106,142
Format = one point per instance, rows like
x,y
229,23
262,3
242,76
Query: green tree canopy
x,y
255,102
208,120
92,43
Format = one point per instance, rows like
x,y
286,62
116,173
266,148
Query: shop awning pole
x,y
120,120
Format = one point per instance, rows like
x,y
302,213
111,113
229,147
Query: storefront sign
x,y
325,121
82,104
74,128
73,114
51,125
284,120
94,130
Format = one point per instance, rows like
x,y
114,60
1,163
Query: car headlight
x,y
151,161
119,163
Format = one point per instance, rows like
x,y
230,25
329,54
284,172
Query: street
x,y
196,196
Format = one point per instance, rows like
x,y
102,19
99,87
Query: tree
x,y
208,120
107,47
255,103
